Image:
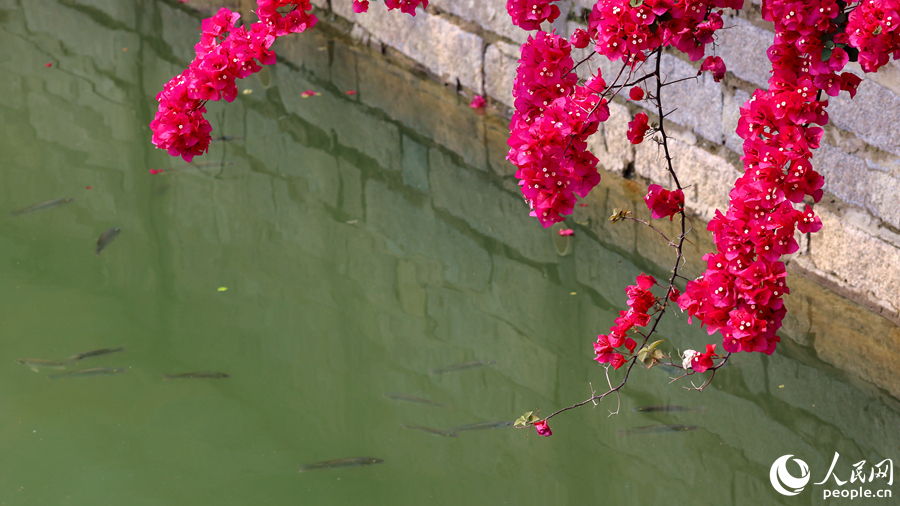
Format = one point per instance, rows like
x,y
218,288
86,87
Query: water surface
x,y
340,248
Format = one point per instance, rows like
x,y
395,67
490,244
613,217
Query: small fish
x,y
226,138
105,238
482,426
195,375
414,399
35,364
467,365
667,408
93,353
655,429
97,371
50,204
340,463
431,430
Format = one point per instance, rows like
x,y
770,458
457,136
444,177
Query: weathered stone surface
x,y
836,253
743,48
852,180
500,62
706,177
610,144
734,98
698,102
871,115
489,14
442,47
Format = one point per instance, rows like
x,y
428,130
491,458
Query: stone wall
x,y
471,44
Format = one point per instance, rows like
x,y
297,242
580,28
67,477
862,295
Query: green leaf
x,y
522,421
829,44
826,54
636,3
533,418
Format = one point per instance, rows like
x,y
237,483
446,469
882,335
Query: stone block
x,y
446,50
743,47
852,180
733,99
707,178
489,14
501,60
871,115
422,106
610,144
697,102
836,252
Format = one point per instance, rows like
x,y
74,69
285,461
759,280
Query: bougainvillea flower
x,y
715,65
156,171
360,6
580,38
543,429
351,92
700,362
637,128
566,231
663,203
636,93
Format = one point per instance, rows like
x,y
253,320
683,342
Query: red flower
x,y
703,361
351,92
156,171
477,102
637,128
663,203
580,38
360,6
566,232
636,93
715,65
617,360
543,429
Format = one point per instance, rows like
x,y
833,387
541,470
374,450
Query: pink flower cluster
x,y
529,14
224,54
663,203
872,28
548,131
740,294
640,300
626,31
227,53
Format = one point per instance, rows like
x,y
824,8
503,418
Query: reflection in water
x,y
365,240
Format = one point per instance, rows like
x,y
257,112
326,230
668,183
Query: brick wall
x,y
472,45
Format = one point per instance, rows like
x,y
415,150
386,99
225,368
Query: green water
x,y
363,240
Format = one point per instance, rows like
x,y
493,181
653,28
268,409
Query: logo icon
x,y
783,481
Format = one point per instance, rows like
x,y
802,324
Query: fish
x,y
654,429
105,238
35,364
93,353
482,426
466,365
225,138
195,375
50,204
83,373
414,399
431,430
340,463
669,408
